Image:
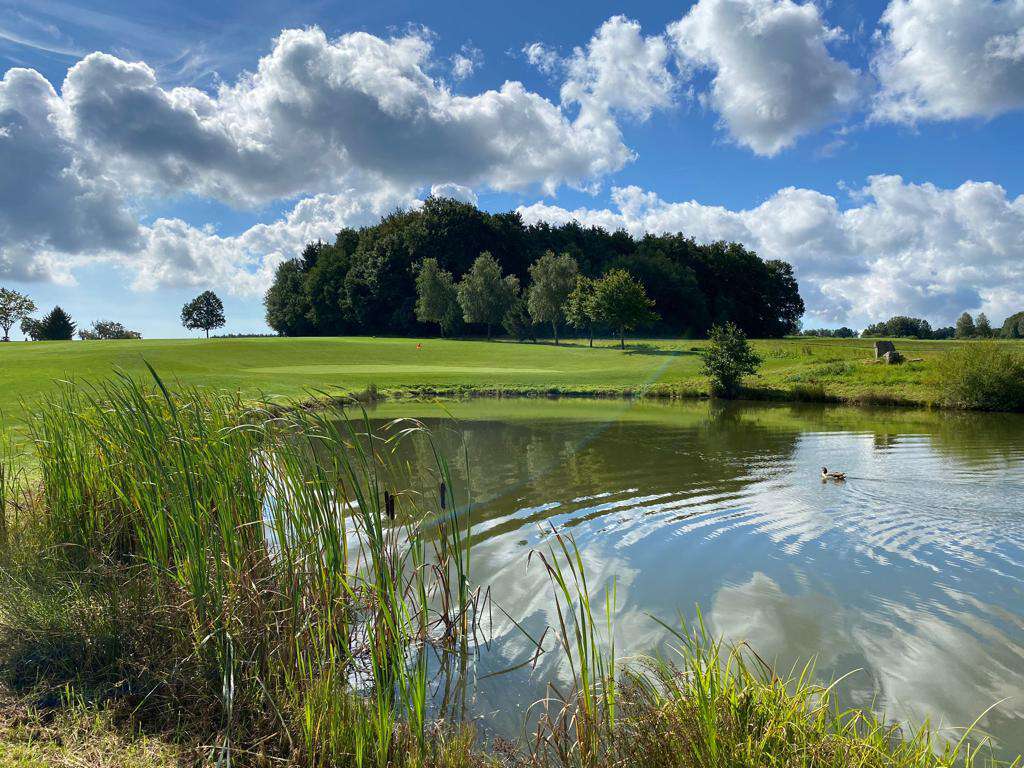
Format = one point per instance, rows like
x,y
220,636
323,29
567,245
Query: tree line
x,y
902,326
204,312
365,282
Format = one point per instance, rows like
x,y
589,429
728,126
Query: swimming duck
x,y
826,475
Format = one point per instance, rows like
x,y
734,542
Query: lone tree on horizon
x,y
204,312
14,307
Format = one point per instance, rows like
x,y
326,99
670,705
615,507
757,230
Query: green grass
x,y
291,369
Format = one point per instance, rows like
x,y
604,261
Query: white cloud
x,y
454,191
774,79
619,69
941,60
53,199
176,254
466,62
543,58
316,111
904,248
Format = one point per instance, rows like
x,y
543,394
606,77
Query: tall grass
x,y
257,579
304,586
983,375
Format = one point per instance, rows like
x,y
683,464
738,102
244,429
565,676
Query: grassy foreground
x,y
292,368
193,579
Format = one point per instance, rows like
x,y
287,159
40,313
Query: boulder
x,y
881,347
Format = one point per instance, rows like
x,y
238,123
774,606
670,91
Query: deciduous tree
x,y
728,358
14,307
553,278
983,327
205,311
580,309
621,302
965,327
437,299
485,295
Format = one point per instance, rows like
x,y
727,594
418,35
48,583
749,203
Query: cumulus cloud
x,y
619,69
941,60
316,110
176,254
901,248
52,197
454,191
774,78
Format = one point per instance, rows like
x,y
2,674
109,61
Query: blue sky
x,y
149,151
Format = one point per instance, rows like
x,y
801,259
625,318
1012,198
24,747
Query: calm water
x,y
912,571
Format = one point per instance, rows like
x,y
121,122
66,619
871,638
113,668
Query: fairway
x,y
289,369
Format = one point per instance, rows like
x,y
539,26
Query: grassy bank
x,y
212,580
811,369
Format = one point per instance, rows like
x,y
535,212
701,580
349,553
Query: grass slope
x,y
295,368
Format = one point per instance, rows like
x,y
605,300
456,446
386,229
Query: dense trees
x,y
1013,327
830,333
14,308
106,330
205,312
56,326
366,281
900,326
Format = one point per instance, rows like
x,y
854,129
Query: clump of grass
x,y
983,375
79,735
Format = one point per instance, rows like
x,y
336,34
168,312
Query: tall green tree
x,y
965,327
621,302
437,298
728,358
517,321
983,327
205,311
580,307
57,326
553,278
485,295
325,287
14,307
287,302
1013,327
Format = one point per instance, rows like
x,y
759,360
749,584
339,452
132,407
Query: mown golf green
x,y
291,369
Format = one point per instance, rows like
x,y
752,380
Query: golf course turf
x,y
293,369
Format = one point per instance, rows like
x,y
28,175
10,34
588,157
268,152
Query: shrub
x,y
728,358
984,376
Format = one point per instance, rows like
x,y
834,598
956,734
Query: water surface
x,y
912,571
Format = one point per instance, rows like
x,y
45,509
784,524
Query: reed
x,y
259,581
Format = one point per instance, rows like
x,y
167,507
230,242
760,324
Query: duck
x,y
826,475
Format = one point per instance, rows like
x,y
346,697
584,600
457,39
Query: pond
x,y
910,574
